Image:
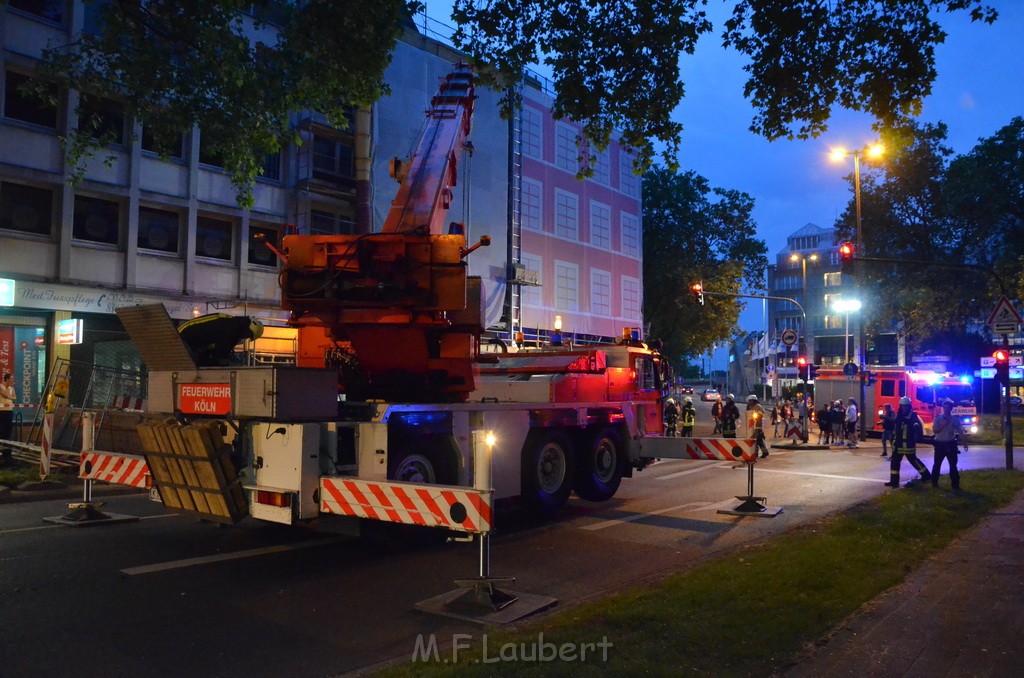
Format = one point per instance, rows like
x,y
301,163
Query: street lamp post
x,y
846,307
872,151
805,331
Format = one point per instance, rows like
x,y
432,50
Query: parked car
x,y
686,390
710,394
1016,403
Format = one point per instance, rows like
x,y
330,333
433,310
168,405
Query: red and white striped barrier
x,y
457,508
47,442
726,449
123,402
117,469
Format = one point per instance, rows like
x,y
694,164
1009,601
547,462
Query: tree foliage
x,y
616,63
693,232
957,223
176,64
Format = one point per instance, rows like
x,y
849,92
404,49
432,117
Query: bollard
x,y
88,445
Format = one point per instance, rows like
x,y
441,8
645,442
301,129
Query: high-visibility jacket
x,y
689,415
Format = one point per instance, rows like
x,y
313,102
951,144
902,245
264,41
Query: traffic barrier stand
x,y
87,512
752,505
480,599
741,450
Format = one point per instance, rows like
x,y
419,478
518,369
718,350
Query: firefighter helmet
x,y
751,398
905,400
688,399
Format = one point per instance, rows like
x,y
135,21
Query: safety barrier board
x,y
118,469
457,508
723,449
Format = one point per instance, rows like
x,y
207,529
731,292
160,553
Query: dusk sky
x,y
793,183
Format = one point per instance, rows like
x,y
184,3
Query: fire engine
x,y
925,388
392,411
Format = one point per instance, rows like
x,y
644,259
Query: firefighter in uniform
x,y
730,415
755,424
671,417
689,415
908,429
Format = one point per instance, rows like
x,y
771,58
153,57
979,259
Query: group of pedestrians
x,y
902,429
837,424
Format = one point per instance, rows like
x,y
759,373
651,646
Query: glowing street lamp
x,y
846,306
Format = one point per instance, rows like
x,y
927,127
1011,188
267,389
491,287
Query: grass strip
x,y
749,612
990,430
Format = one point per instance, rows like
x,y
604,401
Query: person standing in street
x,y
824,424
888,422
755,424
671,417
775,418
946,428
851,424
689,417
730,415
838,417
7,397
907,430
716,414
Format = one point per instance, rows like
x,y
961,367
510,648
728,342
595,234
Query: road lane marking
x,y
705,467
823,475
50,527
221,557
639,516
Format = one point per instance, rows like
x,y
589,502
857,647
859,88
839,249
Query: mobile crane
x,y
387,412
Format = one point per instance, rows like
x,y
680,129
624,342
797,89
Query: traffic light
x,y
869,378
812,372
698,292
846,252
1002,357
801,367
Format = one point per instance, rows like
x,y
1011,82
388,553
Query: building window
x,y
567,215
600,225
833,279
27,209
21,106
272,167
833,258
533,133
324,222
531,205
259,253
332,160
96,220
630,298
600,292
158,229
101,118
532,294
166,146
214,238
51,10
834,322
566,152
629,183
567,286
630,235
207,155
602,167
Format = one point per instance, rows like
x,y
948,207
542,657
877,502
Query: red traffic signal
x,y
846,251
698,292
802,368
1001,356
802,361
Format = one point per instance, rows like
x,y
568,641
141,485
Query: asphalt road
x,y
263,600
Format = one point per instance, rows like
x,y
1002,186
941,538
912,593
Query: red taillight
x,y
273,498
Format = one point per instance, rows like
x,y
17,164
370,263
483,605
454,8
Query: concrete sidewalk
x,y
960,614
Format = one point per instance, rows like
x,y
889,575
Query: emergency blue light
x,y
966,379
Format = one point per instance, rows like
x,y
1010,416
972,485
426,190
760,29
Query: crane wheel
x,y
548,470
599,466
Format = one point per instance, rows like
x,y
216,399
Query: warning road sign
x,y
1004,318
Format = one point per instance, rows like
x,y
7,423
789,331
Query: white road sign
x,y
988,361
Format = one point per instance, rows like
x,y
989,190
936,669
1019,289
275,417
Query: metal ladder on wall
x,y
514,290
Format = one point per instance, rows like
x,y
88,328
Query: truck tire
x,y
413,468
599,465
548,471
